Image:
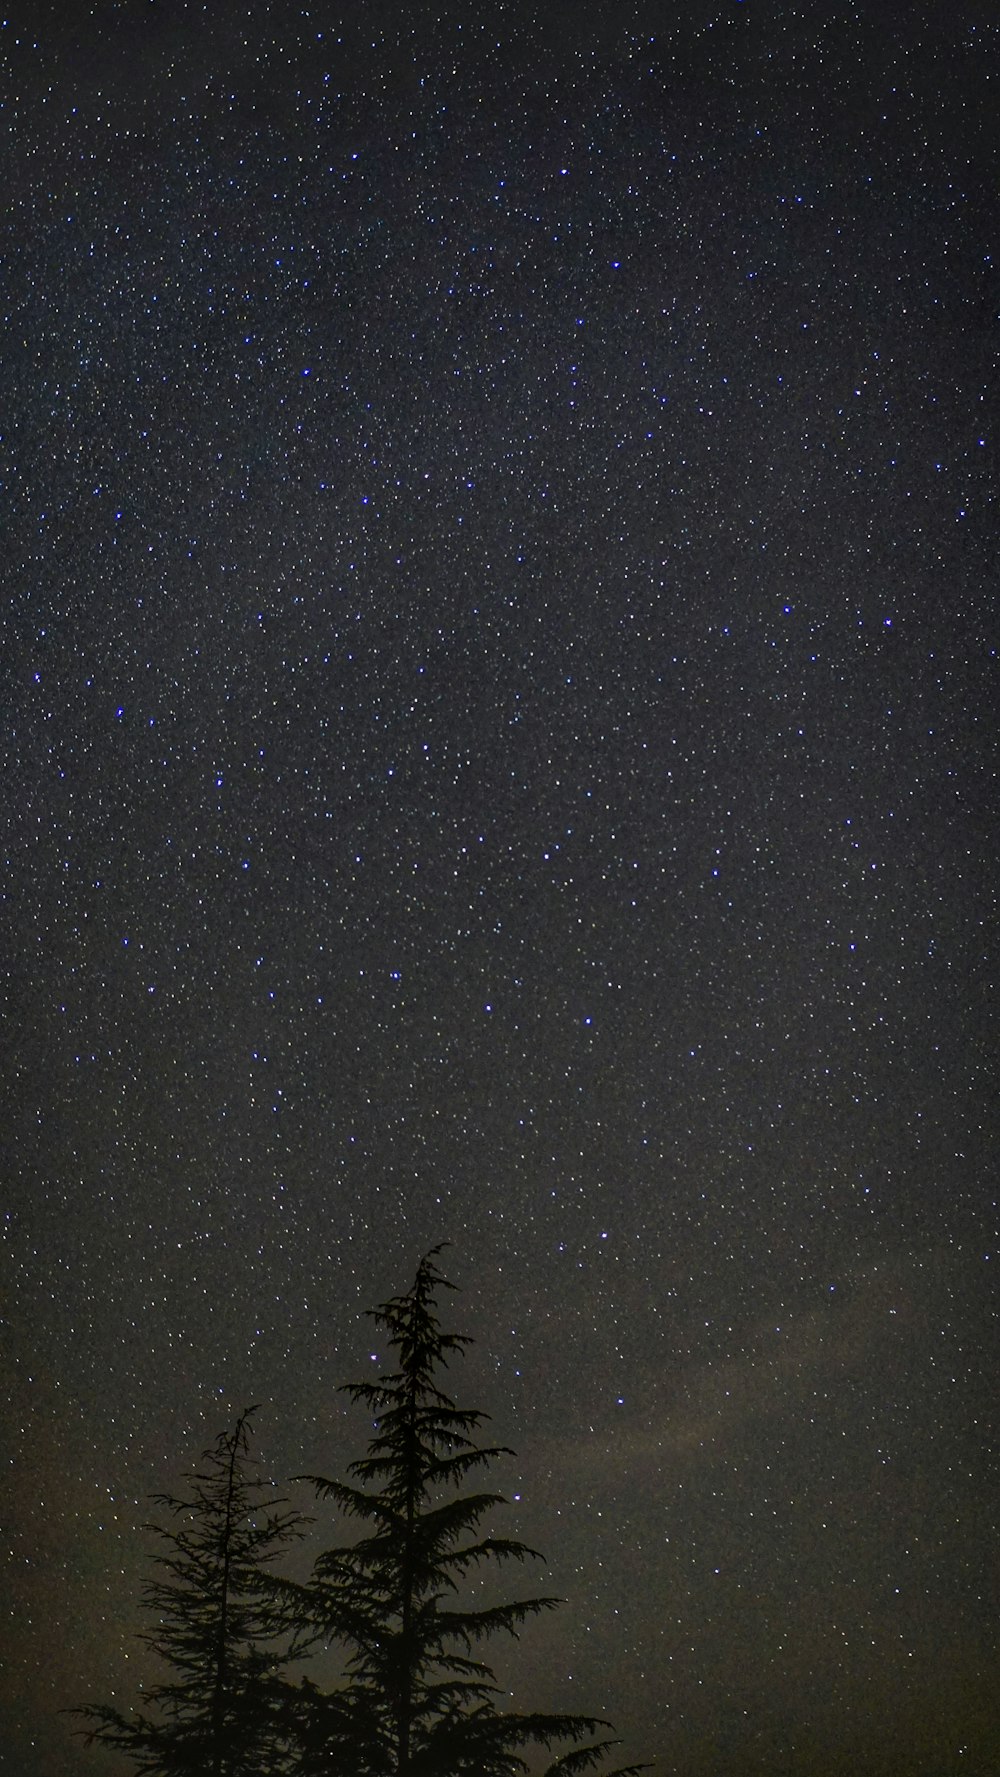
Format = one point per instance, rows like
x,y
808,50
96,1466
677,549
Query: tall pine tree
x,y
418,1700
219,1632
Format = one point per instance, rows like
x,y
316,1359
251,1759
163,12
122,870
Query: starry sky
x,y
499,667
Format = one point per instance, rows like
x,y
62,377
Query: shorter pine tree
x,y
218,1630
417,1698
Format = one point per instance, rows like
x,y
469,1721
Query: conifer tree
x,y
218,1630
418,1700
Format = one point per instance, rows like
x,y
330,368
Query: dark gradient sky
x,y
499,690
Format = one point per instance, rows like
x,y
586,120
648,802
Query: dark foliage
x,y
418,1699
218,1630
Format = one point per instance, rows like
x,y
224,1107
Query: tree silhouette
x,y
218,1630
417,1699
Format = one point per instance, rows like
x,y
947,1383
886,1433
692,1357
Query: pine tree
x,y
417,1698
218,1629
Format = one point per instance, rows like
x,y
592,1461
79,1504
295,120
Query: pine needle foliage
x,y
218,1630
418,1699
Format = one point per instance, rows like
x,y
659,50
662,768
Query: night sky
x,y
499,679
